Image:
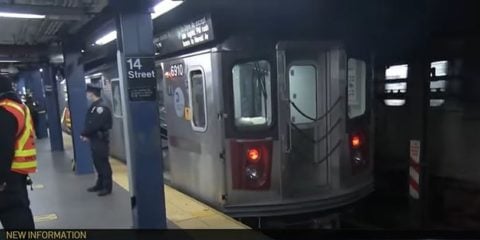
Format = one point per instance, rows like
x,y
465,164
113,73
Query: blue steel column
x,y
77,103
53,112
144,154
33,82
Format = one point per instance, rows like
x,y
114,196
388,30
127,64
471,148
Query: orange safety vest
x,y
25,158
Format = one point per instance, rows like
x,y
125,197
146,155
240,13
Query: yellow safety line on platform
x,y
45,217
182,210
38,186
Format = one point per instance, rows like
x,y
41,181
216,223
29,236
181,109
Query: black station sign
x,y
141,78
188,35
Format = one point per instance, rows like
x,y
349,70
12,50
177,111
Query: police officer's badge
x,y
99,110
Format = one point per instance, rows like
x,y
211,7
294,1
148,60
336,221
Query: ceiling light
x,y
21,15
107,38
9,61
396,72
40,70
165,6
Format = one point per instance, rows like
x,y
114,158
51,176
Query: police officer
x,y
17,159
98,122
34,111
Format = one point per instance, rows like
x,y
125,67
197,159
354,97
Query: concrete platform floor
x,y
60,200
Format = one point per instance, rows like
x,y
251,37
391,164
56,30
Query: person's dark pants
x,y
100,153
36,120
15,210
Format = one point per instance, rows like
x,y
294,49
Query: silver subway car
x,y
269,127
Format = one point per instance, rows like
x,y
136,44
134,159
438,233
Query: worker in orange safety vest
x,y
17,159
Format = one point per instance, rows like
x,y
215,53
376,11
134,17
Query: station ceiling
x,y
391,25
60,15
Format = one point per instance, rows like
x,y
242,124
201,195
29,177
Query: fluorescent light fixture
x,y
165,6
95,75
106,38
394,102
9,61
441,68
396,72
21,15
159,9
56,58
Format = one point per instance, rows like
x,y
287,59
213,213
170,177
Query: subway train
x,y
259,125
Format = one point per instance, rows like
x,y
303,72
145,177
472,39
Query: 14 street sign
x,y
141,78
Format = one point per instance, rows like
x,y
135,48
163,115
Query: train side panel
x,y
194,130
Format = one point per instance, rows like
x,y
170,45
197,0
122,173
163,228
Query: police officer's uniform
x,y
98,122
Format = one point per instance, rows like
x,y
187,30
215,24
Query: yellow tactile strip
x,y
182,210
45,217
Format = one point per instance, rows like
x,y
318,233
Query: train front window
x,y
197,101
303,93
252,94
357,75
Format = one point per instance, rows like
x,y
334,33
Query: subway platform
x,y
59,199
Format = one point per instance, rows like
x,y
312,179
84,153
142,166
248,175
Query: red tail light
x,y
358,151
356,142
253,155
251,164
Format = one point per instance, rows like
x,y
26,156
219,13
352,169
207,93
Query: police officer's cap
x,y
94,89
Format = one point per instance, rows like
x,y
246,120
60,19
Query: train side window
x,y
198,101
252,94
397,75
357,81
116,99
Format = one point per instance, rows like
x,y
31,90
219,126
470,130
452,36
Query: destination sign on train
x,y
188,35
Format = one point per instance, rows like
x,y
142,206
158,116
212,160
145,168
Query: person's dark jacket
x,y
98,119
9,125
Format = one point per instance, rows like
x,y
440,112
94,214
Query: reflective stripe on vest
x,y
24,160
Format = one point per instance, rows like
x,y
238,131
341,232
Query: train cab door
x,y
303,72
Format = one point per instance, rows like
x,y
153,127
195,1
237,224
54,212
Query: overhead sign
x,y
141,78
188,35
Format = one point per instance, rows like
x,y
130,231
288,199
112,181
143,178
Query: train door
x,y
117,134
303,75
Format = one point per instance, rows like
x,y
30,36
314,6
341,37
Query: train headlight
x,y
252,173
